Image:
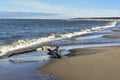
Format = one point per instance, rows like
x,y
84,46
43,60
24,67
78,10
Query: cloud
x,y
74,14
94,13
37,5
30,15
53,11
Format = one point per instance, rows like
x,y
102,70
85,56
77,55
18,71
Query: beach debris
x,y
43,48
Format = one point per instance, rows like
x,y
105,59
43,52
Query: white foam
x,y
34,42
92,30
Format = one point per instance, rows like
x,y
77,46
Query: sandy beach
x,y
112,36
116,30
102,64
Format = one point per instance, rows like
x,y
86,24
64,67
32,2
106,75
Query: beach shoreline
x,y
87,58
88,63
101,64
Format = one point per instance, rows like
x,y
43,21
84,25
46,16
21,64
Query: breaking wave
x,y
21,44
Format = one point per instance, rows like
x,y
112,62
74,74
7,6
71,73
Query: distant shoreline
x,y
89,18
99,18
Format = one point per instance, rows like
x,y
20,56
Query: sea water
x,y
18,34
13,30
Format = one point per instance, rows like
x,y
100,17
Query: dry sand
x,y
105,65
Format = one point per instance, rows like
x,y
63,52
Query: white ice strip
x,y
21,44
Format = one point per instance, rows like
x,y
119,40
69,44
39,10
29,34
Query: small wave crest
x,y
21,44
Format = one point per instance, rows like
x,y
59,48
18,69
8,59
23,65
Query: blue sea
x,y
13,30
18,34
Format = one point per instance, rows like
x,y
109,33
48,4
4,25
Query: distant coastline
x,y
99,18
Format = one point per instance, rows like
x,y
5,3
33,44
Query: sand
x,y
116,30
103,63
112,36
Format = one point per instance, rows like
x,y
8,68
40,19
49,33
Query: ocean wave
x,y
9,37
21,44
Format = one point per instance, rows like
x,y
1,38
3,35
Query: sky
x,y
69,8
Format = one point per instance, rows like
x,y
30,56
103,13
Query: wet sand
x,y
112,36
116,30
102,63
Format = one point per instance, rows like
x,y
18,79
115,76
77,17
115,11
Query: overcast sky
x,y
68,8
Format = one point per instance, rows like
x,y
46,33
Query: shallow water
x,y
23,71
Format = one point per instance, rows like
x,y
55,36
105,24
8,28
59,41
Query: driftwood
x,y
25,50
44,48
20,51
